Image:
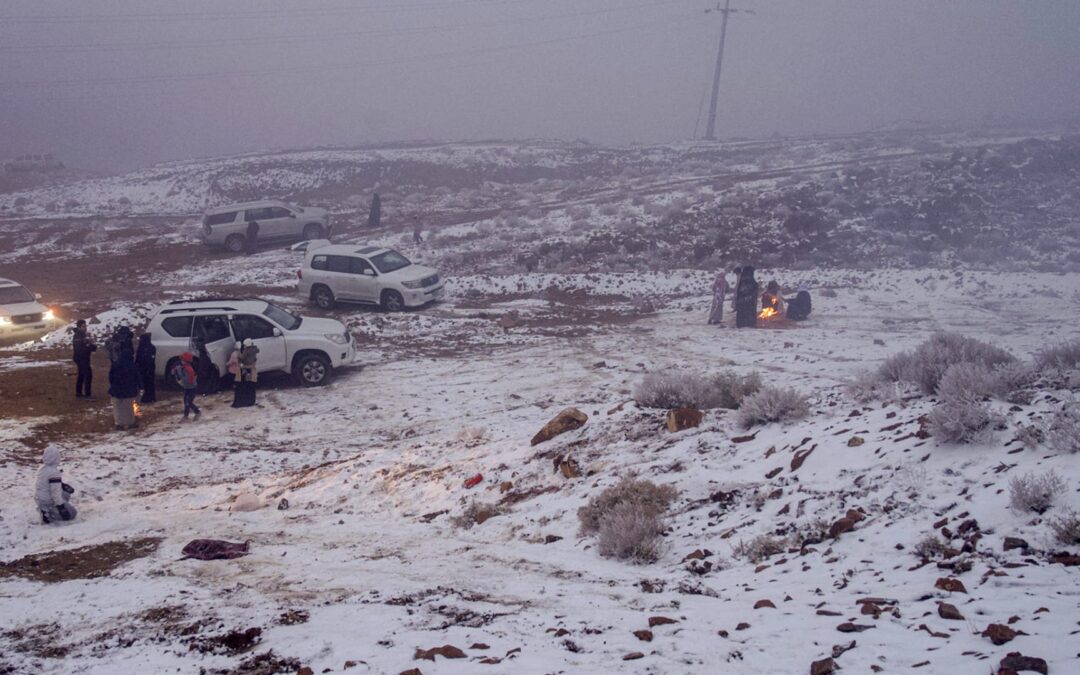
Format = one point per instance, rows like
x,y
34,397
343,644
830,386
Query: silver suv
x,y
22,317
309,348
278,222
371,275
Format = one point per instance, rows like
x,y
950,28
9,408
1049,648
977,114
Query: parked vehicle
x,y
278,222
309,348
22,316
370,275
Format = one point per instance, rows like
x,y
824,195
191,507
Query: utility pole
x,y
726,10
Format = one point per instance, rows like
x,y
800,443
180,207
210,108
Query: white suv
x,y
22,317
309,348
371,275
278,222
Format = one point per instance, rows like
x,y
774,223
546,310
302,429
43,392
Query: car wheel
x,y
313,231
323,297
312,370
235,243
392,301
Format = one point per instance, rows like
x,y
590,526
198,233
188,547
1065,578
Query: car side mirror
x,y
277,332
369,273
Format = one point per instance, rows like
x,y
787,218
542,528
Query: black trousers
x,y
149,387
84,378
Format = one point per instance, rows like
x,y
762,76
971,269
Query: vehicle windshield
x,y
11,295
285,319
389,262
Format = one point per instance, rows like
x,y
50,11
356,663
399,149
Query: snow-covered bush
x,y
961,420
1066,529
475,514
772,404
1059,358
759,548
970,380
926,364
929,547
627,519
1063,432
870,386
1035,493
683,389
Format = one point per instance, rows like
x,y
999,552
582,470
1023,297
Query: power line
x,y
320,69
281,39
726,10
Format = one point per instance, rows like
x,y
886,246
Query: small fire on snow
x,y
767,313
138,413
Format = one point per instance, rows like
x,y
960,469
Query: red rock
x,y
823,667
633,656
1015,542
411,671
480,645
505,486
762,604
951,585
838,650
683,418
855,441
561,632
446,651
950,612
1019,662
644,635
1066,559
742,626
800,457
870,608
849,627
999,634
698,554
841,526
827,612
490,660
941,523
655,621
305,670
774,473
567,420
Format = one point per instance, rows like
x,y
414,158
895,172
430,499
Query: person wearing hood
x,y
799,307
145,362
746,299
124,387
53,496
82,349
772,299
184,373
244,395
719,290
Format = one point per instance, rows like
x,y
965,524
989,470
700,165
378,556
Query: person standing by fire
x,y
746,299
82,349
145,362
123,383
719,289
771,299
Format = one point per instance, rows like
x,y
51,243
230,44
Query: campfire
x,y
138,413
768,313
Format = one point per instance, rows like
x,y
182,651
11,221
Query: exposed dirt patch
x,y
86,562
233,642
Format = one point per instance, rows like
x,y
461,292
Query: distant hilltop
x,y
33,163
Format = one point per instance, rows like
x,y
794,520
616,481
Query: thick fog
x,y
117,83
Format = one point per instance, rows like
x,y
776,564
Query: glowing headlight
x,y
4,320
336,338
413,284
49,315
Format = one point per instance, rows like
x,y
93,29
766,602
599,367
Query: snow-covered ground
x,y
365,565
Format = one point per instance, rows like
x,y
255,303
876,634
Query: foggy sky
x,y
114,84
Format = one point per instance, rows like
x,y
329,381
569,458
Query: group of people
x,y
744,300
132,372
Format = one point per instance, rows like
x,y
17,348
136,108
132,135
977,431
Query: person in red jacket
x,y
185,376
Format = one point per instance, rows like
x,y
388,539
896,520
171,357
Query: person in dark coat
x,y
244,391
799,307
124,387
205,370
251,238
418,233
82,349
375,214
146,362
746,299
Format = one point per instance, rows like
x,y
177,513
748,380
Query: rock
x,y
1066,559
823,667
849,627
568,468
655,621
742,626
446,651
412,671
283,504
838,650
567,420
950,612
951,585
855,441
507,321
644,635
1015,542
999,633
633,656
552,538
479,645
1019,662
683,418
841,526
697,554
306,670
762,604
246,501
505,486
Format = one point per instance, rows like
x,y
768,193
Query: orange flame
x,y
767,313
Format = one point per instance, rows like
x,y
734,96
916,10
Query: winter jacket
x,y
124,377
145,355
49,492
82,346
233,365
184,374
249,372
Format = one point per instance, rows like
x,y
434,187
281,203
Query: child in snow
x,y
184,373
244,394
719,289
53,496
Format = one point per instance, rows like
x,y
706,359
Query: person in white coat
x,y
52,494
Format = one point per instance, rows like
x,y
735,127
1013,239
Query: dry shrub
x,y
759,548
476,513
970,380
961,421
1059,358
772,404
627,519
1035,493
926,364
1063,432
929,547
870,386
683,389
1066,529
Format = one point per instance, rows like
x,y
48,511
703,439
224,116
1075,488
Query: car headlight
x,y
4,320
49,315
413,284
336,338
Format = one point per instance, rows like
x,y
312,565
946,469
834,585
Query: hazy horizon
x,y
118,84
